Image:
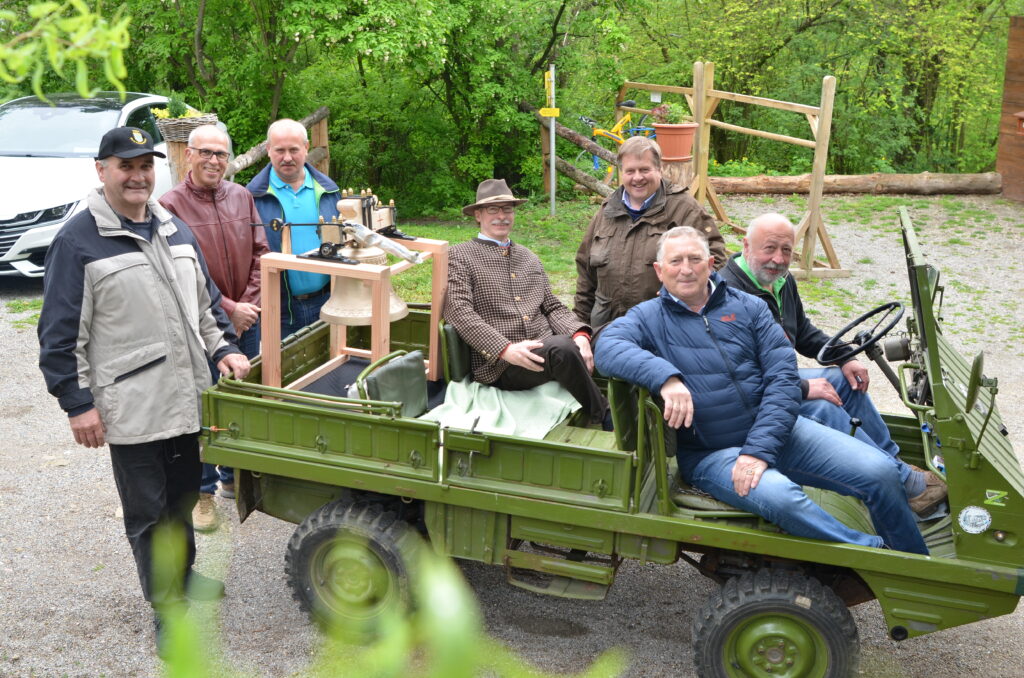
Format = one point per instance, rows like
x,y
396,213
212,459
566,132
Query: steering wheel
x,y
836,350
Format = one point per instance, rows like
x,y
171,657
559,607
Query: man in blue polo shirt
x,y
292,190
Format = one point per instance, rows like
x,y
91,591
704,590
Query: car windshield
x,y
66,131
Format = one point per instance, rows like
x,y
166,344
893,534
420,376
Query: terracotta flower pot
x,y
676,141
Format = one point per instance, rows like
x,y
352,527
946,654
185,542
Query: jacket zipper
x,y
728,366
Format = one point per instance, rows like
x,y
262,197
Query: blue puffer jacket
x,y
269,207
733,356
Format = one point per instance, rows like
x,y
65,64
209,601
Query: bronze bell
x,y
351,301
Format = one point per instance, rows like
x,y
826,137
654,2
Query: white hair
x,y
683,232
287,125
207,129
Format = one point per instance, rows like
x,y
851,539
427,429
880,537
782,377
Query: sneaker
x,y
204,515
201,588
226,490
934,492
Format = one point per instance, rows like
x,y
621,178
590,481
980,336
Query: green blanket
x,y
530,414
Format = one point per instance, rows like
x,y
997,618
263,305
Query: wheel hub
x,y
776,646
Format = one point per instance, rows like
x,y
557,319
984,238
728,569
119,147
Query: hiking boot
x,y
934,492
204,515
226,490
201,588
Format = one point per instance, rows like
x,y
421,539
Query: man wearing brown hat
x,y
500,302
130,317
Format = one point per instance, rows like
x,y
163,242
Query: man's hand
x,y
583,342
521,354
678,403
820,389
856,375
88,429
234,362
746,473
244,316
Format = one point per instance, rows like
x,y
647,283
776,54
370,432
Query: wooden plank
x,y
762,101
764,135
672,89
270,321
310,377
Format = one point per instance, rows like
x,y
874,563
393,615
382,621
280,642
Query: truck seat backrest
x,y
454,354
401,379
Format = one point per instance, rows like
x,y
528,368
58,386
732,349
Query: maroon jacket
x,y
220,218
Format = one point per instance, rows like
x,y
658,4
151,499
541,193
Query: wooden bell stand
x,y
273,266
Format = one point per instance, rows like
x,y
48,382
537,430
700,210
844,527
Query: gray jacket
x,y
128,324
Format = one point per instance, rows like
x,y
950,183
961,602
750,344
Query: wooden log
x,y
571,135
259,151
925,183
582,178
176,160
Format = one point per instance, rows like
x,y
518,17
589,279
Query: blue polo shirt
x,y
301,206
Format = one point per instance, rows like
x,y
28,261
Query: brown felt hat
x,y
491,192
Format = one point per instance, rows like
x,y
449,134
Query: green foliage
x,y
53,36
442,638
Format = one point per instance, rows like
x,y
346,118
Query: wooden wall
x,y
1010,156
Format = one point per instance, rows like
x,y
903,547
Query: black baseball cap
x,y
127,142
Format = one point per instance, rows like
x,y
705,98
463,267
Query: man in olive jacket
x,y
615,261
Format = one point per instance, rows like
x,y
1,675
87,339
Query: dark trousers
x,y
158,483
564,364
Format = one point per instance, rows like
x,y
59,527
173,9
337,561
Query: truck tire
x,y
775,623
349,565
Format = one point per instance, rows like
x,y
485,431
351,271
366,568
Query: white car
x,y
47,166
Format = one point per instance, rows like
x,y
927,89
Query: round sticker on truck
x,y
974,519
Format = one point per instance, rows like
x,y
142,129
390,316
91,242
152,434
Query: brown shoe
x,y
934,492
204,515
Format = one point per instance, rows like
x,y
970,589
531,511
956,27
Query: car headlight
x,y
56,213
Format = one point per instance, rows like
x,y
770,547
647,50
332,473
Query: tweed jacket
x,y
498,296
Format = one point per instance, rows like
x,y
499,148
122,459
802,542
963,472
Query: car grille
x,y
11,229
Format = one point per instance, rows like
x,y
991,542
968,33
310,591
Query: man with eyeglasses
x,y
220,214
500,302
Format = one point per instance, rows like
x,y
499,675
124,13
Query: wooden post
x,y
812,226
318,139
176,160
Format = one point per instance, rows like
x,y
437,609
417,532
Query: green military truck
x,y
362,476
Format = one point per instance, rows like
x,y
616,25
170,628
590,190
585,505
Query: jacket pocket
x,y
600,251
124,383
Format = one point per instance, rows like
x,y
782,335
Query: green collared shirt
x,y
776,286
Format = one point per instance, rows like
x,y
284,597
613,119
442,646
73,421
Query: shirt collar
x,y
643,206
481,236
278,183
711,290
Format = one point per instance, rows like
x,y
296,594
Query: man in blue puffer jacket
x,y
729,380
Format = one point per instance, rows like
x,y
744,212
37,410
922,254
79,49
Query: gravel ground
x,y
69,597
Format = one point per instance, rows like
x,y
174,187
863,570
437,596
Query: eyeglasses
x,y
206,153
504,209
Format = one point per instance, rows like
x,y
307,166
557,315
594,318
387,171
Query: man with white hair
x,y
220,214
291,189
831,395
728,378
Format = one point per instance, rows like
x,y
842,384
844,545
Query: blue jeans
x,y
249,344
822,457
298,313
872,430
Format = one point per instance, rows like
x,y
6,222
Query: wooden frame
x,y
703,100
274,264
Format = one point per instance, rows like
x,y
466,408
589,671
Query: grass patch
x,y
24,305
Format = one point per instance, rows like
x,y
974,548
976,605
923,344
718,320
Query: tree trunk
x,y
581,177
925,183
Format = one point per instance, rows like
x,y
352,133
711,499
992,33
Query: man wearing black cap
x,y
129,318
